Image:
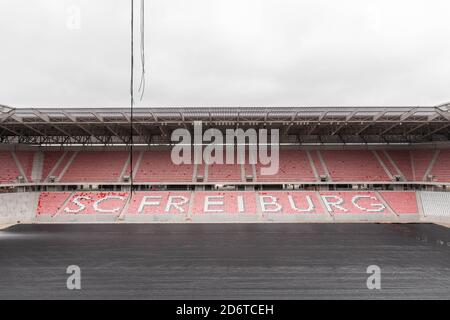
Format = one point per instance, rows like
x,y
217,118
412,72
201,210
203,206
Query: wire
x,y
142,49
142,82
131,96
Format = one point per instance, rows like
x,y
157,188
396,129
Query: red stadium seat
x,y
353,202
157,166
401,202
441,169
354,165
26,161
421,161
51,202
228,202
95,203
224,202
294,165
159,202
8,168
96,166
403,160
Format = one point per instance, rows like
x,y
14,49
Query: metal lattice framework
x,y
153,125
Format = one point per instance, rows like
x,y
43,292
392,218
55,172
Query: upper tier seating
x,y
51,158
157,166
221,172
403,161
96,166
441,169
25,159
294,165
353,165
317,163
387,163
59,167
224,172
8,168
421,162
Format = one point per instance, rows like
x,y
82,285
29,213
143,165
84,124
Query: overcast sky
x,y
227,52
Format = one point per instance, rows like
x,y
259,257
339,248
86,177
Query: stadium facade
x,y
378,164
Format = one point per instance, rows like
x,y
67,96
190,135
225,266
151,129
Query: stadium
x,y
369,182
354,164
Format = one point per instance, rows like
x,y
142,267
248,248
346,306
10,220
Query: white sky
x,y
228,53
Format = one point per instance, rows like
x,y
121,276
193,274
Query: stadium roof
x,y
153,125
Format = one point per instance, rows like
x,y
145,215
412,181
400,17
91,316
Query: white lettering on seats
x,y
208,203
176,205
294,207
81,206
99,201
149,201
336,204
377,207
240,201
273,202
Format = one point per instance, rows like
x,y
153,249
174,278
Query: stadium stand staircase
x,y
38,166
19,166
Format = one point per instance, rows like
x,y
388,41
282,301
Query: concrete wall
x,y
18,207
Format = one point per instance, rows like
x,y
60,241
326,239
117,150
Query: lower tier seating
x,y
228,202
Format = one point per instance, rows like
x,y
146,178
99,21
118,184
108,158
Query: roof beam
x,y
41,115
311,130
415,128
85,129
183,120
351,115
446,115
380,114
389,128
437,130
115,133
70,117
405,116
11,130
154,116
294,116
363,129
338,129
5,116
98,117
322,115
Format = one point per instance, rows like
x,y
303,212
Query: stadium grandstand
x,y
376,164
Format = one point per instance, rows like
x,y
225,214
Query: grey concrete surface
x,y
225,261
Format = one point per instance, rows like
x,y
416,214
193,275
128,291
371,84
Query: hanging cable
x,y
142,49
131,96
142,82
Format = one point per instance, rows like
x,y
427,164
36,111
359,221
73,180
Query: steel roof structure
x,y
153,125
